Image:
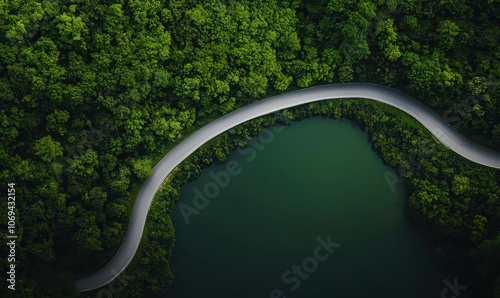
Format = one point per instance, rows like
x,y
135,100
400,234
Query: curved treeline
x,y
94,93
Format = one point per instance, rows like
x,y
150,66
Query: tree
x,y
478,230
122,180
47,149
433,202
488,252
56,122
446,33
459,185
496,135
142,168
88,235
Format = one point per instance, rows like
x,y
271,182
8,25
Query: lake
x,y
304,210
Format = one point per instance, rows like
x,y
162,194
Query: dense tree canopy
x,y
93,93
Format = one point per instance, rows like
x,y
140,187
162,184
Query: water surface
x,y
289,193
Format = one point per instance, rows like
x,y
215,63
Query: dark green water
x,y
313,182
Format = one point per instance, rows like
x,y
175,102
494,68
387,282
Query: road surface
x,y
435,124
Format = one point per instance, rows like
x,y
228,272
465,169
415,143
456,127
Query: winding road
x,y
435,124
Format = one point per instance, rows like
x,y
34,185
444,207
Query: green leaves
x,y
433,201
198,15
88,235
71,29
388,40
488,252
142,168
234,49
106,84
478,228
47,149
56,121
254,84
459,185
447,31
16,33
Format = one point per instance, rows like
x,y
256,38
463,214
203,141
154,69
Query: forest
x,y
93,93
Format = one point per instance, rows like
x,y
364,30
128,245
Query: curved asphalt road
x,y
435,124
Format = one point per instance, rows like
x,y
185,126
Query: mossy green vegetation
x,y
93,93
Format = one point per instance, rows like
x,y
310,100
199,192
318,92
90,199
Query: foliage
x,y
92,92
